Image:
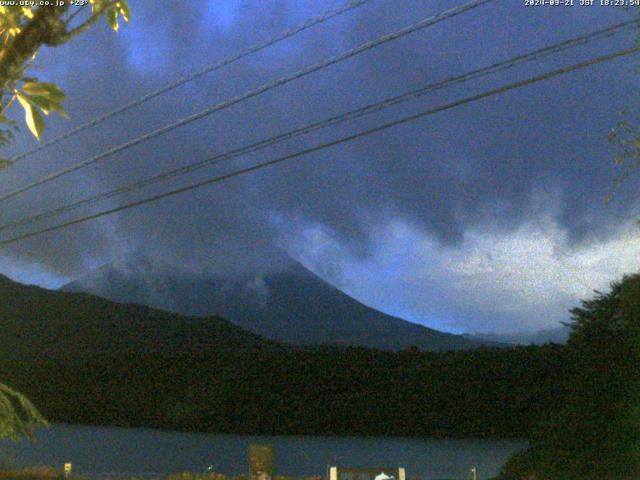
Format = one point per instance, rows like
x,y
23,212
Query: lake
x,y
107,451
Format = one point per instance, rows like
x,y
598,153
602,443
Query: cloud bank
x,y
463,220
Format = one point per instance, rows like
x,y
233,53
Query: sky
x,y
489,217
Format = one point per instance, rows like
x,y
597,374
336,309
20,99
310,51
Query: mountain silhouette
x,y
293,305
39,323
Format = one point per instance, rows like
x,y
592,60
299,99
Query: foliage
x,y
520,466
595,432
50,473
17,414
626,136
344,391
33,473
23,30
83,359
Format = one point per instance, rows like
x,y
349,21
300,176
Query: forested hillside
x,y
83,359
481,393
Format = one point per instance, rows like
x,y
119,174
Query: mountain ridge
x,y
293,306
541,336
36,322
84,359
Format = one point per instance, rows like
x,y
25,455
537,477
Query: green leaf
x,y
34,120
45,89
111,14
56,107
43,103
48,106
124,9
46,96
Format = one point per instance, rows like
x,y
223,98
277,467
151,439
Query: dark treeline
x,y
84,359
593,432
489,392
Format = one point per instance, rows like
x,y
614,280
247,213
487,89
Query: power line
x,y
351,115
427,22
353,4
333,143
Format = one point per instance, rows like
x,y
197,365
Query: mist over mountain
x,y
291,305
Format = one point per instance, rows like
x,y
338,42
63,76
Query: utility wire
x,y
427,22
410,118
335,120
353,4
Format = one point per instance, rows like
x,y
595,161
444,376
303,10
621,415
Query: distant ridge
x,y
558,334
84,359
36,323
293,306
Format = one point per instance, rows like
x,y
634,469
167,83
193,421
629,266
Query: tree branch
x,y
65,37
44,28
73,15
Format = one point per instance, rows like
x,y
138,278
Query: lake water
x,y
106,451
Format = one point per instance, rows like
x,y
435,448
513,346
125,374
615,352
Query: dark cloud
x,y
473,168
